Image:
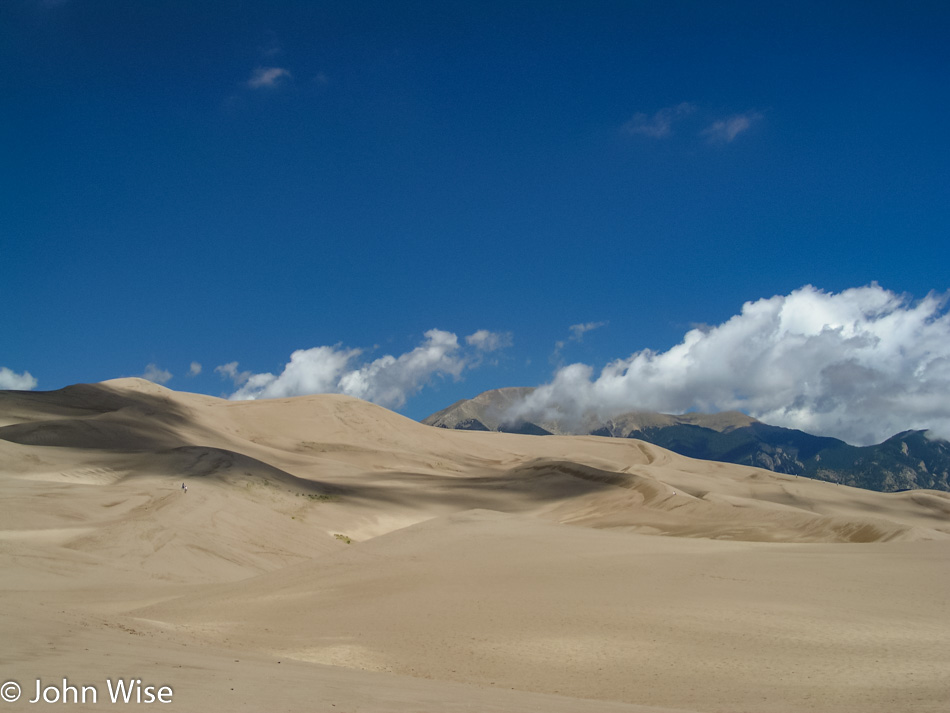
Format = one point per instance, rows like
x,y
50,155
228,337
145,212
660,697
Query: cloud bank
x,y
388,380
9,379
860,365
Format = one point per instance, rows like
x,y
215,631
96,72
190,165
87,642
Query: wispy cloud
x,y
268,77
660,124
577,335
157,375
725,130
9,379
486,341
579,330
230,371
388,380
194,369
271,46
861,365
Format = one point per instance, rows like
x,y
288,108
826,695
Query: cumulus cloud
x,y
155,374
194,369
862,365
309,371
725,130
267,77
388,380
486,341
230,371
660,124
10,380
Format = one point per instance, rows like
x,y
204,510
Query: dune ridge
x,y
390,565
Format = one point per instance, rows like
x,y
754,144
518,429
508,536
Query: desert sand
x,y
330,555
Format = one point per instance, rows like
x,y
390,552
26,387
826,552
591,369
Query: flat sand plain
x,y
330,555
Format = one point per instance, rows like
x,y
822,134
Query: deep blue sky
x,y
404,166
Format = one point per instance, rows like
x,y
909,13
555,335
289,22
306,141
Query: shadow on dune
x,y
494,492
581,495
94,416
161,435
84,400
233,468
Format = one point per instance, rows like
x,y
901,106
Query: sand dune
x,y
484,571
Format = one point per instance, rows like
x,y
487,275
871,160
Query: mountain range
x,y
908,460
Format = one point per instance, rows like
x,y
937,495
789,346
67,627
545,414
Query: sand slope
x,y
486,571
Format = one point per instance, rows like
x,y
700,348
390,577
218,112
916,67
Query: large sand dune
x,y
332,555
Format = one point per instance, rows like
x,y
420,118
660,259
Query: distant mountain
x,y
486,412
908,460
489,412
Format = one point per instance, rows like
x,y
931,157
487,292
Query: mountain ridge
x,y
909,460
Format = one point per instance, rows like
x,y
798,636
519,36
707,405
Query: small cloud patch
x,y
9,379
268,77
156,374
659,125
724,131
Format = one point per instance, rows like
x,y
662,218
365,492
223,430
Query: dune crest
x,y
390,565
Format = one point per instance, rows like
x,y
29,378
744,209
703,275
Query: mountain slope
x,y
906,461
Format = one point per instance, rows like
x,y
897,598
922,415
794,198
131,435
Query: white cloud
x,y
577,335
660,125
309,371
725,130
9,379
267,77
230,371
861,365
155,374
578,330
194,369
388,380
486,341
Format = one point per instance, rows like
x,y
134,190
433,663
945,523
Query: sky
x,y
675,206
